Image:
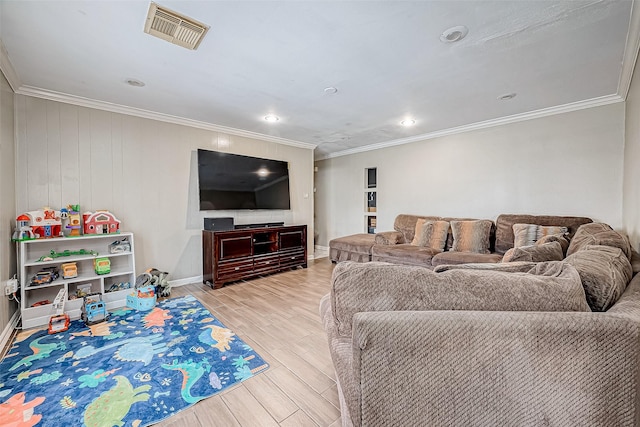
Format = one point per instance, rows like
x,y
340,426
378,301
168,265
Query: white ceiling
x,y
384,57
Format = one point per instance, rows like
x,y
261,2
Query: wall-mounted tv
x,y
231,181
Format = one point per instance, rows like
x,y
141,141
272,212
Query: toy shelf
x,y
122,269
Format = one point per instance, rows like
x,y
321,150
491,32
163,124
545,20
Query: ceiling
x,y
385,58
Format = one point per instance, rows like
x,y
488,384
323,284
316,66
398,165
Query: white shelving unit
x,y
31,251
370,200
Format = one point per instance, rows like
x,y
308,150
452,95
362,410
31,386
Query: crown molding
x,y
7,69
630,55
566,108
146,114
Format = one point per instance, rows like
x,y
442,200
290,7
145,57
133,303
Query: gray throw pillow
x,y
551,251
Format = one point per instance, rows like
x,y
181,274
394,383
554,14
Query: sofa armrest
x,y
389,238
495,368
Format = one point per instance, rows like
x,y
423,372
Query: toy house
x,y
100,222
45,223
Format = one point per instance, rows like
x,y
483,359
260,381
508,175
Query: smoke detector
x,y
174,27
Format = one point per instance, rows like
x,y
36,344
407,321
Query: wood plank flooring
x,y
278,316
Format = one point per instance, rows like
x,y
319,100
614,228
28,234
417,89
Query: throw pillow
x,y
432,234
599,234
551,251
605,272
529,234
564,242
418,231
471,236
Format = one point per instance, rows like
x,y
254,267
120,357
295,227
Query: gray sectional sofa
x,y
553,343
395,246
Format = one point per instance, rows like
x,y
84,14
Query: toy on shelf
x,y
100,222
44,223
45,276
53,254
102,265
94,310
23,229
59,322
120,246
156,278
73,224
69,270
118,287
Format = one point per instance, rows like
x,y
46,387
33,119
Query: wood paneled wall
x,y
144,171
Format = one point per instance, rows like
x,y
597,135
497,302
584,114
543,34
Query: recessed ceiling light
x,y
272,118
454,34
507,96
408,122
330,90
134,82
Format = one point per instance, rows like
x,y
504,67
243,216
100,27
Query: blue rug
x,y
135,369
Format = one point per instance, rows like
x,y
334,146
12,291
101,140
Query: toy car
x,y
102,265
94,310
69,270
44,276
120,246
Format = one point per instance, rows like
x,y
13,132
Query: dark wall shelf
x,y
228,256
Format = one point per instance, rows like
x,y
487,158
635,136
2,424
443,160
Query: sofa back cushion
x,y
605,272
373,286
406,224
599,234
504,226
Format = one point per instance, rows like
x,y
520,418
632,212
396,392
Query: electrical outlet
x,y
11,287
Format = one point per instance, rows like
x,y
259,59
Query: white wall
x,y
7,197
144,171
631,192
567,164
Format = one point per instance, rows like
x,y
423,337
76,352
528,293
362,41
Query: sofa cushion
x,y
605,272
454,258
551,251
529,234
431,234
599,234
471,236
504,226
355,287
406,224
389,238
564,243
403,254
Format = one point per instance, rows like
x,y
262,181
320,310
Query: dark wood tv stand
x,y
228,256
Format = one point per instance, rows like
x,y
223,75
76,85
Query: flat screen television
x,y
231,181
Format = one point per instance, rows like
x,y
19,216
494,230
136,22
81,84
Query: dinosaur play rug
x,y
134,370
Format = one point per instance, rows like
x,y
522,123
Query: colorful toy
x,y
94,310
74,225
59,322
100,222
45,223
156,278
53,254
44,276
102,265
23,229
143,299
120,246
69,270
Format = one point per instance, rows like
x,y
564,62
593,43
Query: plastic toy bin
x,y
143,299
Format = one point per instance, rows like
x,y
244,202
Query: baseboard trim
x,y
8,330
185,281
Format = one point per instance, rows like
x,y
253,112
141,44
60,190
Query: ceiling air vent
x,y
174,27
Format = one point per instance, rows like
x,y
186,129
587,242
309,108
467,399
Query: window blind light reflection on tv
x,y
232,181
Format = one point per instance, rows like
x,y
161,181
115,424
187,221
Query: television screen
x,y
231,181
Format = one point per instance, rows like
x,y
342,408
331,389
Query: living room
x,y
581,158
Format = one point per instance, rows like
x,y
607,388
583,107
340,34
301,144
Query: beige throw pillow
x,y
471,236
431,234
529,234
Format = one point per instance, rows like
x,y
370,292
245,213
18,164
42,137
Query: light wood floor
x,y
278,316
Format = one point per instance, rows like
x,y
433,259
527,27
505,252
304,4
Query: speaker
x,y
218,224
